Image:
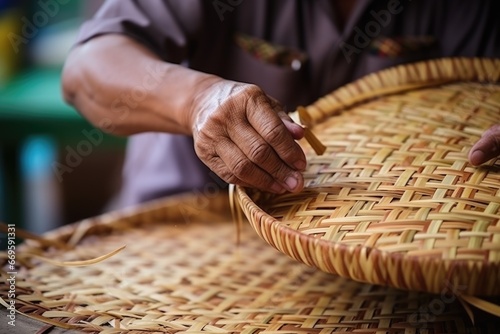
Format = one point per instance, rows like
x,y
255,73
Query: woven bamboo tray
x,y
394,201
182,272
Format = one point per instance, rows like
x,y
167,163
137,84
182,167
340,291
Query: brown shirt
x,y
296,50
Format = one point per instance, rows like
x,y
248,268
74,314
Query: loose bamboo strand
x,y
78,263
482,304
236,213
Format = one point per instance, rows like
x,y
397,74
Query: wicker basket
x,y
182,272
394,200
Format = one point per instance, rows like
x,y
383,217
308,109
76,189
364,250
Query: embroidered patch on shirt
x,y
270,53
401,46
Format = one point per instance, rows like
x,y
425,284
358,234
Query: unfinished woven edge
x,y
371,265
198,282
403,78
183,207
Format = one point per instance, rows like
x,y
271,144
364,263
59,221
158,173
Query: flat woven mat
x,y
182,272
394,200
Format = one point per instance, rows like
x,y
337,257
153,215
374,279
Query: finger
x,y
238,169
219,167
295,129
274,132
487,147
262,155
275,104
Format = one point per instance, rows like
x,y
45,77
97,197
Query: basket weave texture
x,y
182,272
394,200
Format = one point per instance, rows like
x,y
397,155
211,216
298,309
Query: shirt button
x,y
296,64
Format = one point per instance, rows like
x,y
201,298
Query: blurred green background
x,y
55,168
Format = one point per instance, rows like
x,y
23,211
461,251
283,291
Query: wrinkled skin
x,y
486,148
247,139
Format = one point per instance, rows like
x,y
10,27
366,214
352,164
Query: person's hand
x,y
246,138
486,148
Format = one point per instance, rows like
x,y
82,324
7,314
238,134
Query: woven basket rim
x,y
404,78
393,80
343,247
166,208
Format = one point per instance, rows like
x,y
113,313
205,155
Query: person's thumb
x,y
296,130
487,147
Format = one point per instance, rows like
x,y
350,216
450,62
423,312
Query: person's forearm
x,y
122,87
238,131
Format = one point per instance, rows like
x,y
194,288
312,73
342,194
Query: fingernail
x,y
291,182
300,164
477,157
277,188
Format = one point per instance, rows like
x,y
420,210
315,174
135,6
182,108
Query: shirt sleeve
x,y
168,27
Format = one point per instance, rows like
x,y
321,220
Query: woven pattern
x,y
394,201
404,77
181,274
